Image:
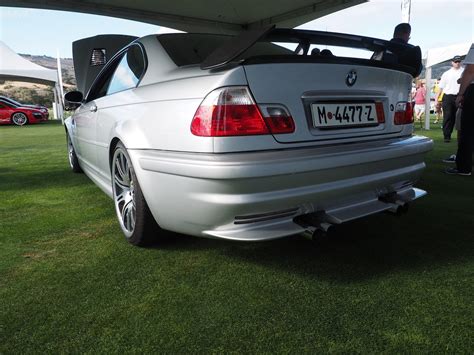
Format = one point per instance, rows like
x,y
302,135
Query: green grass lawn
x,y
70,283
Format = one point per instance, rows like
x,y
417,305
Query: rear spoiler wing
x,y
390,52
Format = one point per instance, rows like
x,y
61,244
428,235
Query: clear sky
x,y
435,23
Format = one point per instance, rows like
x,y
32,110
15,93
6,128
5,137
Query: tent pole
x,y
60,89
55,103
427,97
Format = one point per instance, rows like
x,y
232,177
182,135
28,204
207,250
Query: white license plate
x,y
327,115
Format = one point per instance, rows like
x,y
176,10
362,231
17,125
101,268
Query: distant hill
x,y
67,66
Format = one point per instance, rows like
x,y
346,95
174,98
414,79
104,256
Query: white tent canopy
x,y
439,55
215,16
16,68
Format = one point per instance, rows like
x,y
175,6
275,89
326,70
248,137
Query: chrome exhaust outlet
x,y
315,233
314,226
398,207
309,232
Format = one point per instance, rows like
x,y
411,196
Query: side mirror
x,y
73,100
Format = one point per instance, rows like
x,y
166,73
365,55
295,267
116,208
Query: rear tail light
x,y
380,112
232,111
278,119
403,113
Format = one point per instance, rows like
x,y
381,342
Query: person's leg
x,y
449,114
422,114
466,134
438,112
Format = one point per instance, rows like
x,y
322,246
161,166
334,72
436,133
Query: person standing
x,y
449,87
438,102
465,100
419,97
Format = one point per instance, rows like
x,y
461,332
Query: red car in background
x,y
21,115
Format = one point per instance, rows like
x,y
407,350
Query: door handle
x,y
93,108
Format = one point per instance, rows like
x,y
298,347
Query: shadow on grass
x,y
357,251
13,180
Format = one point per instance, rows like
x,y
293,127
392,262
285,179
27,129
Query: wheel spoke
x,y
129,173
120,169
127,215
121,197
124,214
123,165
122,184
133,214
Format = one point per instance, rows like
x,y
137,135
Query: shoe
x,y
451,159
447,140
454,171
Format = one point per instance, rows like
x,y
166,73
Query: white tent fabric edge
x,y
17,68
212,16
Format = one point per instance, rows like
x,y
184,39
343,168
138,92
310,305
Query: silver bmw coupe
x,y
255,137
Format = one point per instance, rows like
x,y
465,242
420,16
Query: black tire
x,y
73,161
19,119
134,216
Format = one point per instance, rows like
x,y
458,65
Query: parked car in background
x,y
245,139
43,109
11,113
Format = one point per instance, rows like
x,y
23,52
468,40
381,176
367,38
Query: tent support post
x,y
55,103
427,97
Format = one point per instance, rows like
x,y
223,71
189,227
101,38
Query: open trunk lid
x,y
330,100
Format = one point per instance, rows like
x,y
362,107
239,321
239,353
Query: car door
x,y
5,113
117,104
83,126
85,118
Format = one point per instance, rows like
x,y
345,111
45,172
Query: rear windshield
x,y
191,49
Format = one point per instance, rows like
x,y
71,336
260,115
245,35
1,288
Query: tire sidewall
x,y
72,157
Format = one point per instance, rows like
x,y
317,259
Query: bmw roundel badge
x,y
351,78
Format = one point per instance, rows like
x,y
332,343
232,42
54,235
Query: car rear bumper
x,y
257,195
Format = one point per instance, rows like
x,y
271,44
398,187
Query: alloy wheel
x,y
124,192
19,119
70,150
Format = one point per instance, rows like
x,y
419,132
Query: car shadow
x,y
13,180
356,251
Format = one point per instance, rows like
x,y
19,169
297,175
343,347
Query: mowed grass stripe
x,y
70,283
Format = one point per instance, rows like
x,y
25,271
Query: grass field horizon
x,y
70,283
